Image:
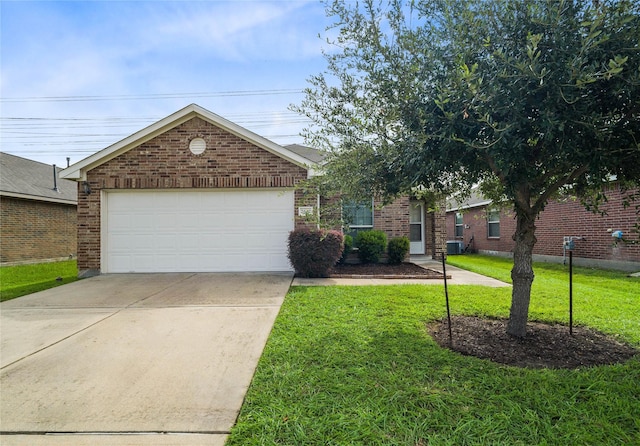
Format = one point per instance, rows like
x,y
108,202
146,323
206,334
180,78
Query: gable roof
x,y
33,180
78,171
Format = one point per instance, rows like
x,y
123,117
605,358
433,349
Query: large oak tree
x,y
528,98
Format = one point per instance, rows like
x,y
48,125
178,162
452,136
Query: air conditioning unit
x,y
455,247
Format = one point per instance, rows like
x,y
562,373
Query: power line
x,y
153,96
83,135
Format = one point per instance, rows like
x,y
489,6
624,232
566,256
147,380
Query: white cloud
x,y
239,31
112,49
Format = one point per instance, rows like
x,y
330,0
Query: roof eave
x,y
38,198
469,206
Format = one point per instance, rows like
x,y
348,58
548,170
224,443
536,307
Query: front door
x,y
416,227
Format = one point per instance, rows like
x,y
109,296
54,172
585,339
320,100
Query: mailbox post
x,y
571,292
569,245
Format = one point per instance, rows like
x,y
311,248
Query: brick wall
x,y
475,227
438,219
392,218
569,218
165,162
566,217
35,230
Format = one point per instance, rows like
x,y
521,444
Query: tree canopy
x,y
526,97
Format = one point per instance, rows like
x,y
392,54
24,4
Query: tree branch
x,y
554,187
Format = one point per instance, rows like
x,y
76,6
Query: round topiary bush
x,y
371,245
313,252
397,250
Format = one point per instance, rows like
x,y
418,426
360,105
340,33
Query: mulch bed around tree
x,y
383,271
544,346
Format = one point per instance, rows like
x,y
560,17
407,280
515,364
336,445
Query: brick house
x,y
37,212
480,227
423,222
195,192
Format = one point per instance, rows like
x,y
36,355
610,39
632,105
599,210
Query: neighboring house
x,y
481,227
37,212
195,192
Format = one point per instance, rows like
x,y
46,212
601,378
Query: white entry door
x,y
416,227
196,230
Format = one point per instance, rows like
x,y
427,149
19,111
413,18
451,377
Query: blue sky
x,y
77,76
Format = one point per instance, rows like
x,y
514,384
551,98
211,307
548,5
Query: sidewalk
x,y
458,277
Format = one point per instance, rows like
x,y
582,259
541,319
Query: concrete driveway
x,y
136,359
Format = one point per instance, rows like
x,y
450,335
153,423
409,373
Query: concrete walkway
x,y
145,359
458,277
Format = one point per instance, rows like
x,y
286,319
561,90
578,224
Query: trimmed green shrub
x,y
371,245
313,253
397,250
348,248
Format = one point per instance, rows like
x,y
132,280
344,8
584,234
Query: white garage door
x,y
196,231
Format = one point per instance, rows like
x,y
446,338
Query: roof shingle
x,y
24,178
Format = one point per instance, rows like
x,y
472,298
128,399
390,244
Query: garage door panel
x,y
166,231
270,241
166,221
123,260
143,263
119,242
166,243
189,220
190,241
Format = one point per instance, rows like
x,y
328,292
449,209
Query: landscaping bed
x,y
404,270
545,346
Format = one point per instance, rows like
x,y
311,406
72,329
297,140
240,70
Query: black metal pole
x,y
446,294
571,293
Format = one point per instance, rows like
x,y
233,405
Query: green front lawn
x,y
16,281
355,365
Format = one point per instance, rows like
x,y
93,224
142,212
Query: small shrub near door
x,y
313,253
371,245
397,250
348,247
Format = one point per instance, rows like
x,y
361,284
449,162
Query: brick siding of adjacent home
x,y
475,227
561,218
32,230
165,162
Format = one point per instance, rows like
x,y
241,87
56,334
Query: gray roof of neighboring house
x,y
33,180
314,155
475,199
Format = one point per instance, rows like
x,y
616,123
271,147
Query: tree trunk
x,y
522,274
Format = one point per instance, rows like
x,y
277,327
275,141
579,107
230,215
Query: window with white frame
x,y
357,216
459,231
493,223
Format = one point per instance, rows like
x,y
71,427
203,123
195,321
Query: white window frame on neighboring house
x,y
459,225
493,223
